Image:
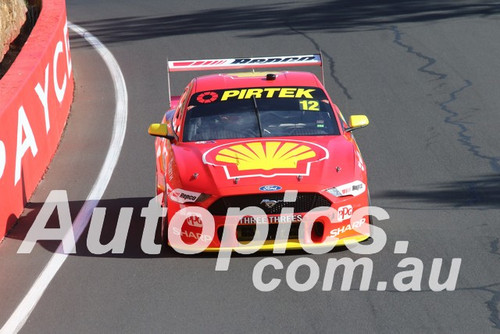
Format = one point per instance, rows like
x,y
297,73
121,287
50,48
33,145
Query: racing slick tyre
x,y
163,222
370,219
164,234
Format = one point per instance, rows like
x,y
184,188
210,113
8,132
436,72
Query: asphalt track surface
x,y
425,73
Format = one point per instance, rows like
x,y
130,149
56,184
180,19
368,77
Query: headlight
x,y
349,189
185,196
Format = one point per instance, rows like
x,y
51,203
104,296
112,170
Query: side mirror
x,y
357,122
160,130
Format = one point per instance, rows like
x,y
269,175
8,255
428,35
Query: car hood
x,y
267,164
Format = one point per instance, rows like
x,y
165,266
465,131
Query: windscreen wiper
x,y
256,109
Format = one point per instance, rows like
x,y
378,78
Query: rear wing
x,y
241,63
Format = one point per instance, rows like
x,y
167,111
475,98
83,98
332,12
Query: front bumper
x,y
327,230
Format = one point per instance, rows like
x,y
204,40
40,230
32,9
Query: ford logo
x,y
270,188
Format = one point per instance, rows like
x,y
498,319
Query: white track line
x,y
24,309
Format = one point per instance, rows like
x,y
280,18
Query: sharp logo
x,y
353,226
191,235
270,203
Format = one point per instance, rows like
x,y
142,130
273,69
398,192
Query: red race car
x,y
270,141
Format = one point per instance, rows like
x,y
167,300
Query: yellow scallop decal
x,y
266,157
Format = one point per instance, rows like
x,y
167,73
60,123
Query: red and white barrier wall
x,y
35,98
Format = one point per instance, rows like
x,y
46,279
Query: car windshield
x,y
259,112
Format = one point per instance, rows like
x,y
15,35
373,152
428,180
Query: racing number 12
x,y
309,105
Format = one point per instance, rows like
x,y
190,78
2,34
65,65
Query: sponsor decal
x,y
247,220
198,63
270,187
353,188
191,235
262,93
268,93
274,60
349,227
344,212
184,196
265,158
194,220
238,62
32,116
207,97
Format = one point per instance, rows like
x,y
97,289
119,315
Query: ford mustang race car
x,y
271,141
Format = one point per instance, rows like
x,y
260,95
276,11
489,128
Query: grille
x,y
247,232
304,203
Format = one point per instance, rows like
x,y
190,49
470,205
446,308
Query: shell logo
x,y
265,157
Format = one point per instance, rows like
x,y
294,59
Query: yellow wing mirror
x,y
160,130
357,122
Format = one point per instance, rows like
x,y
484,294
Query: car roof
x,y
254,79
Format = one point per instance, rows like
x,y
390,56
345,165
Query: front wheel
x,y
164,220
370,219
164,234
